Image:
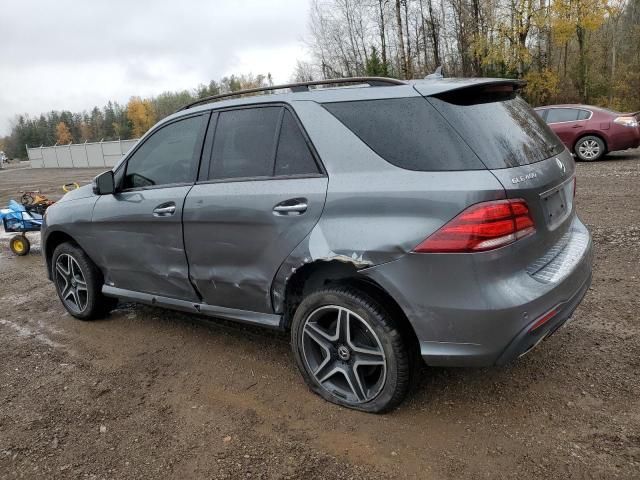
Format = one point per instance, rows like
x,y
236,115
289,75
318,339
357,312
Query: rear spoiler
x,y
430,87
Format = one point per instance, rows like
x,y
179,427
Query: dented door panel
x,y
236,238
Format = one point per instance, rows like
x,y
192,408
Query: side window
x,y
244,143
542,112
562,115
407,132
583,114
293,156
170,155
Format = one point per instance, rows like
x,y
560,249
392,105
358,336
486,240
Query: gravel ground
x,y
149,393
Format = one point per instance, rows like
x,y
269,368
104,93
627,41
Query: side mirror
x,y
104,183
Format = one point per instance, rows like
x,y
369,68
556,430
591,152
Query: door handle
x,y
164,210
577,126
291,207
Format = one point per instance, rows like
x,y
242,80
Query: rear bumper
x,y
527,340
475,310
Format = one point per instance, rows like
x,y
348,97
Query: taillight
x,y
481,227
626,121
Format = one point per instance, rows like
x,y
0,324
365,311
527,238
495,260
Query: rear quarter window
x,y
293,156
407,132
584,115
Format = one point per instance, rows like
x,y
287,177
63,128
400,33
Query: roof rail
x,y
301,87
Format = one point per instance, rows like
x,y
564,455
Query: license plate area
x,y
557,203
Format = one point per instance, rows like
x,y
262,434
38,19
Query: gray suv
x,y
378,221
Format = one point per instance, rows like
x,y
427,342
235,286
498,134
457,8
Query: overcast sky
x,y
73,55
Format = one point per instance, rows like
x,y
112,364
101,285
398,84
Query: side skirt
x,y
254,318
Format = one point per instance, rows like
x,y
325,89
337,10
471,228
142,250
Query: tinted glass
x,y
501,128
407,132
244,143
562,115
170,155
583,114
294,156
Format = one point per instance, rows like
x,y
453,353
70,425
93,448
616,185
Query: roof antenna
x,y
437,74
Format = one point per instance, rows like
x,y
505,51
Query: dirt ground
x,y
149,393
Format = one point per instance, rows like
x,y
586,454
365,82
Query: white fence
x,y
77,155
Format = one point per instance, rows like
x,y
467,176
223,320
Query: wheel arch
x,y
318,274
54,239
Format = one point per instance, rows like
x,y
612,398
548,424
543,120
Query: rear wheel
x,y
79,283
589,148
350,351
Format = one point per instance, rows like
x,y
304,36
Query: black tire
x,y
388,391
589,148
90,305
20,245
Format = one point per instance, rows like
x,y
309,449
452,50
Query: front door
x,y
140,226
259,197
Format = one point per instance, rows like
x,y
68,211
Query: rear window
x,y
407,132
500,127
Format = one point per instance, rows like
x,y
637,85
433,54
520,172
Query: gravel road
x,y
149,393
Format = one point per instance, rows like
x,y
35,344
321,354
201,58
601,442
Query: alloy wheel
x,y
344,354
589,149
71,283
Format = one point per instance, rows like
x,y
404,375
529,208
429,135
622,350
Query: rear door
x,y
140,226
260,192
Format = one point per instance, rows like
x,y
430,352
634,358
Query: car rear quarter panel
x,y
622,138
375,212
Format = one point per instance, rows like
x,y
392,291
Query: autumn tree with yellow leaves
x,y
576,19
568,50
63,134
141,114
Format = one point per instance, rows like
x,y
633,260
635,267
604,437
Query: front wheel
x,y
78,283
589,148
350,351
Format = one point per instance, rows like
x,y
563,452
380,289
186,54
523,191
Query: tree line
x,y
582,51
585,51
113,121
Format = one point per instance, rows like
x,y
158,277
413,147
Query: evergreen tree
x,y
374,66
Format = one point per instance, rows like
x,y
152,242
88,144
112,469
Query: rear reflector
x,y
543,319
481,227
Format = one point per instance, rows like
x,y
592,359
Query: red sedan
x,y
590,132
